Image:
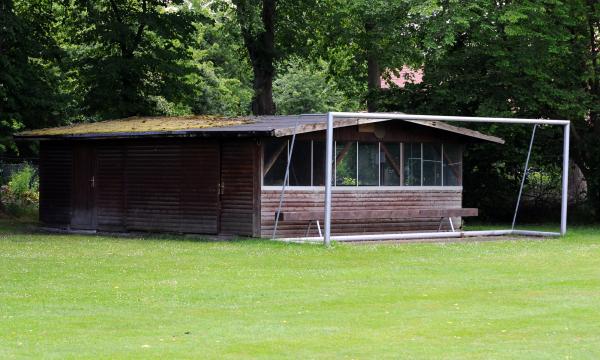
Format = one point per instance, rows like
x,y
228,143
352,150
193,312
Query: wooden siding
x,y
56,165
162,185
239,170
110,189
172,187
359,199
152,187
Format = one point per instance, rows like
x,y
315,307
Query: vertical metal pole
x,y
565,180
328,169
286,178
524,177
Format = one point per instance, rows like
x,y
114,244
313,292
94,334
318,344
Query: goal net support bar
x,y
327,238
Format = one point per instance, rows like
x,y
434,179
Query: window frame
x,y
402,182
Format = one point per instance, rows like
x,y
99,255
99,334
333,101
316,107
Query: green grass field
x,y
75,296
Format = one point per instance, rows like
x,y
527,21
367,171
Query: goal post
x,y
331,116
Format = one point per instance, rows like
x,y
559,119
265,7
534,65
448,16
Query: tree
x,y
360,39
586,129
224,74
512,59
272,31
30,95
257,20
129,53
302,88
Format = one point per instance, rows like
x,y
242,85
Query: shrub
x,y
20,197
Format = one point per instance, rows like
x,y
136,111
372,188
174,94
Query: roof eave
x,y
145,134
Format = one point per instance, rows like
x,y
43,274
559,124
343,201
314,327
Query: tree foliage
x,y
516,59
362,38
303,88
83,60
29,73
139,49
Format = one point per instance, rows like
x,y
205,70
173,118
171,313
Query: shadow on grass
x,y
27,226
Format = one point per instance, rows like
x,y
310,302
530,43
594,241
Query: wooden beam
x,y
379,214
269,164
453,169
390,157
344,151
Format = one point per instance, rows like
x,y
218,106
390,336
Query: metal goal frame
x,y
331,116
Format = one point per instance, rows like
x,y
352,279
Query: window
x,y
390,169
275,160
432,165
318,159
300,165
364,163
368,164
345,163
412,164
452,165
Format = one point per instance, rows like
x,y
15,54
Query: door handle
x,y
93,181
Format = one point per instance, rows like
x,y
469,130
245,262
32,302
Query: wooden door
x,y
83,211
199,187
239,188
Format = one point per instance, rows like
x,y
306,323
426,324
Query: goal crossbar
x,y
327,238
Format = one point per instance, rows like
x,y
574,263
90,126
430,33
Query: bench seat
x,y
378,214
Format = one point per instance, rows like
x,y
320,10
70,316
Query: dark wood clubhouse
x,y
209,175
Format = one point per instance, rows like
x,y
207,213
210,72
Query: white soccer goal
x,y
326,236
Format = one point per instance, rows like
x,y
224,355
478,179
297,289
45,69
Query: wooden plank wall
x,y
360,199
239,187
152,185
110,189
158,186
56,173
162,185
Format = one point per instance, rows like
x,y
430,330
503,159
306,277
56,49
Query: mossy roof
x,y
135,125
209,125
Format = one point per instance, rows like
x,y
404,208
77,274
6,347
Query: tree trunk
x,y
261,49
373,73
262,101
373,82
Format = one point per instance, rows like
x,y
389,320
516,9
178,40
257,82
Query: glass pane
x,y
368,161
412,164
275,160
318,163
345,155
390,164
452,165
432,164
300,164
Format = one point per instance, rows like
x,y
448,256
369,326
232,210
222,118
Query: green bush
x,y
20,197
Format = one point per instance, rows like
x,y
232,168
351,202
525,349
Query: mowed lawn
x,y
77,296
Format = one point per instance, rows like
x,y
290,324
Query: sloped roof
x,y
203,125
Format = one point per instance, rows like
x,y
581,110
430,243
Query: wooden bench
x,y
316,216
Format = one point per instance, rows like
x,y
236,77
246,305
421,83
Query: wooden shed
x,y
212,175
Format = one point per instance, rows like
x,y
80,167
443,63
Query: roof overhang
x,y
257,126
345,122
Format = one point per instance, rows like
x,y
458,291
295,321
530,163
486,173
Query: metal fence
x,y
9,166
